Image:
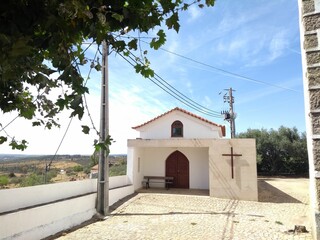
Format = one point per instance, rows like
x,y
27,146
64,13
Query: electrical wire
x,y
3,128
61,141
180,97
172,89
229,73
71,118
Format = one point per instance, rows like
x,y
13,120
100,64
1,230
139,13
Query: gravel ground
x,y
192,214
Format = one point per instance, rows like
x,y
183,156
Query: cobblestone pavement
x,y
192,214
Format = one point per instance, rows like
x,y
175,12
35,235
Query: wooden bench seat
x,y
157,179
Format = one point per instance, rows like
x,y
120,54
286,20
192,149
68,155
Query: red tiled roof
x,y
223,128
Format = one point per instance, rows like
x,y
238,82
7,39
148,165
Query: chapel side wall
x,y
309,14
135,157
244,185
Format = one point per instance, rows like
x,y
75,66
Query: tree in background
x,y
282,151
42,37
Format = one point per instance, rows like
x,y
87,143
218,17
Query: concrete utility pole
x,y
230,116
103,174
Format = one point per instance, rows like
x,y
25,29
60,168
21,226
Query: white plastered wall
x,y
153,160
244,184
192,127
135,158
203,154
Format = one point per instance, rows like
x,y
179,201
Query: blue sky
x,y
258,40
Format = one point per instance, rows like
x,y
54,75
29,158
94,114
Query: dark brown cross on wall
x,y
232,155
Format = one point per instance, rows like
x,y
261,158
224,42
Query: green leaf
x,y
62,103
102,18
133,44
85,129
156,43
98,67
19,146
138,68
118,17
20,48
37,123
66,73
76,101
3,139
119,45
210,3
28,111
185,6
173,22
103,145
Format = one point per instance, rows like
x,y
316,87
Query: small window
x,y
177,129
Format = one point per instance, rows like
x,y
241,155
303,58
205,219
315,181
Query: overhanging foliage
x,y
42,37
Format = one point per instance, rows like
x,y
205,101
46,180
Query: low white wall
x,y
41,222
13,199
119,193
40,211
118,181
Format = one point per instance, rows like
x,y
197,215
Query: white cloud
x,y
278,44
195,13
258,49
207,102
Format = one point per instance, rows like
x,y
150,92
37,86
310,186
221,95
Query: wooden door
x,y
177,166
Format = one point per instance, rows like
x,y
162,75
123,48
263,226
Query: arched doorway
x,y
177,166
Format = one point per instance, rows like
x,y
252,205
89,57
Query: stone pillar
x,y
309,13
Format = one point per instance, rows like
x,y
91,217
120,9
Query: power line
x,y
222,70
184,96
74,61
71,118
230,73
161,83
47,169
181,96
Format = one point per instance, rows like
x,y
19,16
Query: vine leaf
x,y
85,129
3,139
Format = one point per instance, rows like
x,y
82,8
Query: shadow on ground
x,y
269,193
179,191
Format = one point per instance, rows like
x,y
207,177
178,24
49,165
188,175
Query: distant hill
x,y
27,157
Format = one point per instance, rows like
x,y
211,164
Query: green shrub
x,y
78,168
118,170
4,180
16,180
87,170
11,175
32,180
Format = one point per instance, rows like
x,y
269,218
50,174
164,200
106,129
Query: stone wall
x,y
310,53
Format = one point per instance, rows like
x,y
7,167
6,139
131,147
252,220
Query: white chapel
x,y
195,153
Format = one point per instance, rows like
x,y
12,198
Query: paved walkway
x,y
178,214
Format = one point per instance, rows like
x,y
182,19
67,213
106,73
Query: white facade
x,y
194,126
202,146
